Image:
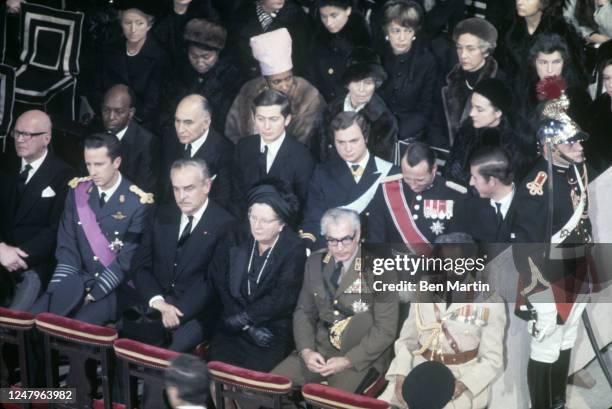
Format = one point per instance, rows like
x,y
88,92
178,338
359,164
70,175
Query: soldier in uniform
x,y
553,276
348,180
464,331
416,206
99,231
340,335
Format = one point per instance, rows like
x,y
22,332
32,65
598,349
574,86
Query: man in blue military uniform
x,y
100,229
552,216
348,180
416,206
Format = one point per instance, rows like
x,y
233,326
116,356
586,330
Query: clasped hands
x,y
261,336
315,362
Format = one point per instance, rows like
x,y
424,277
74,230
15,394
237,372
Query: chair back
x,y
319,396
246,386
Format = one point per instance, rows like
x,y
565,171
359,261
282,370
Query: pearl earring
x,y
386,38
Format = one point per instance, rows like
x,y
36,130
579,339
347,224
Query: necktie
x,y
187,152
102,200
21,182
357,171
263,161
499,217
186,232
335,276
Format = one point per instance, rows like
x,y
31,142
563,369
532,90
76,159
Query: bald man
x,y
31,203
196,139
139,147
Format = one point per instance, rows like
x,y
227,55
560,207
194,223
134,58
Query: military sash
x,y
402,218
96,239
359,205
571,224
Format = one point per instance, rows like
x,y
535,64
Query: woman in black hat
x,y
137,60
204,70
489,123
409,90
363,74
340,29
258,280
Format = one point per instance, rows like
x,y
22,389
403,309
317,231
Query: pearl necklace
x,y
262,267
467,84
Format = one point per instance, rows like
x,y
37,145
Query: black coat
x,y
187,282
31,224
598,149
481,221
456,94
328,53
383,128
513,52
217,152
144,73
410,88
219,85
469,140
245,24
270,306
292,164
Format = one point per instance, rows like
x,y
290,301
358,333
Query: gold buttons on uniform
x,y
335,302
95,258
336,313
330,71
97,275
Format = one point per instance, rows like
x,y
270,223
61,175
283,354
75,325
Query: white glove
x,y
546,312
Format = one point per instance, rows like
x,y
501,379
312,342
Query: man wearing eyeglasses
x,y
341,335
31,202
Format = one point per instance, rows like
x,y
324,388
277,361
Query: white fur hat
x,y
273,51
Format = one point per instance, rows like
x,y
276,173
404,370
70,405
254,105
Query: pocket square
x,y
48,192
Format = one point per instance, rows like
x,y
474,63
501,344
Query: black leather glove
x,y
237,322
261,336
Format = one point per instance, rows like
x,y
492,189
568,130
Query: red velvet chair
x,y
15,327
319,396
144,362
80,341
243,385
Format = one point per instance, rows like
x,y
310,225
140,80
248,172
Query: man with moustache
x,y
197,140
99,232
31,203
172,274
341,334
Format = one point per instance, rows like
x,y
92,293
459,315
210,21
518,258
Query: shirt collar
x,y
113,188
273,147
197,144
506,201
363,162
34,164
122,132
348,106
196,216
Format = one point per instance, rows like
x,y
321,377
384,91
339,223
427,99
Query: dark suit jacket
x,y
217,152
187,283
482,222
333,185
32,223
139,149
292,164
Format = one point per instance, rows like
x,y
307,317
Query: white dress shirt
x,y
109,192
348,105
197,144
35,166
505,203
363,163
273,148
121,133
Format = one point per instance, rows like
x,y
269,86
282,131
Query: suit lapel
x,y
169,233
195,241
370,174
238,268
279,162
344,176
348,277
33,190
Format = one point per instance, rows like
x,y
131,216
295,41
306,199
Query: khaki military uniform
x,y
318,308
475,329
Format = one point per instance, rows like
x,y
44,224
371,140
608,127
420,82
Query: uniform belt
x,y
451,359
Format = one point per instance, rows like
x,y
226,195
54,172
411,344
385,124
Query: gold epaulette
x,y
456,187
535,186
391,178
74,182
145,198
309,236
